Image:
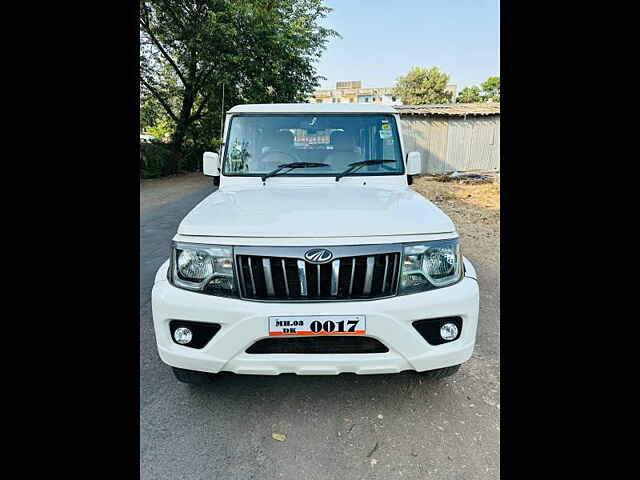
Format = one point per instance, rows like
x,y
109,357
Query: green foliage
x,y
469,95
204,134
261,51
162,128
489,90
423,86
153,116
190,160
155,160
149,112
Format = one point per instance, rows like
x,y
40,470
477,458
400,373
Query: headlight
x,y
204,268
430,265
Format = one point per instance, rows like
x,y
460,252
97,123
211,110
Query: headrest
x,y
282,139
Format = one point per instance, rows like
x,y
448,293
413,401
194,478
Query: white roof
x,y
313,108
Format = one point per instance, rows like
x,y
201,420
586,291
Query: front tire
x,y
191,377
440,373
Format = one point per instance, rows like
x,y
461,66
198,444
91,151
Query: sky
x,y
382,40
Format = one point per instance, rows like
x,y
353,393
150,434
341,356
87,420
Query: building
x,y
458,136
353,92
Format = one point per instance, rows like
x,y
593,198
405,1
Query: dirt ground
x,y
474,209
159,191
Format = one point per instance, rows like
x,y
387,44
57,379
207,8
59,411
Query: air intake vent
x,y
329,344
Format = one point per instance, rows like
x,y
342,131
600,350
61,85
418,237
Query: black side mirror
x,y
216,181
410,179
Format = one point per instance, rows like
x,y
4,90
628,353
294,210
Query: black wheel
x,y
191,377
439,373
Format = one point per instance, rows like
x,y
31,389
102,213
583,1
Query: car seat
x,y
278,151
343,153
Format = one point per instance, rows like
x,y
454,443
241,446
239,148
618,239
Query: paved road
x,y
344,427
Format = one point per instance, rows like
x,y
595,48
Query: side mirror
x,y
414,163
414,166
211,164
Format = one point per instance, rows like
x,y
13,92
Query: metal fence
x,y
453,143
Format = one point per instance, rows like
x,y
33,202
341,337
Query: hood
x,y
338,210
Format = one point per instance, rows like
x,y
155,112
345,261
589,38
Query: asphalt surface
x,y
337,427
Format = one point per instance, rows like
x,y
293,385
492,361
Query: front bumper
x,y
244,322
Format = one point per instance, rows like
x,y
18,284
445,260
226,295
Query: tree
x,y
491,89
262,51
469,95
422,86
154,119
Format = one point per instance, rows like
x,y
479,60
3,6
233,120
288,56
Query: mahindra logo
x,y
318,255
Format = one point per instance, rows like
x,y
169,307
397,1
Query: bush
x,y
155,159
190,160
156,155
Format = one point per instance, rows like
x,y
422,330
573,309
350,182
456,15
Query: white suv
x,y
314,256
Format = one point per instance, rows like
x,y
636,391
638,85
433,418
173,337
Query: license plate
x,y
318,325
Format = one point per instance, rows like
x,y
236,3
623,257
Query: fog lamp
x,y
182,335
448,331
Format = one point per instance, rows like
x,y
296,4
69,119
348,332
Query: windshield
x,y
259,144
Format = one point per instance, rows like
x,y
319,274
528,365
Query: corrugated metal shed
x,y
453,136
450,109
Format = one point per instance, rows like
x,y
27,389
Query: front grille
x,y
276,278
329,344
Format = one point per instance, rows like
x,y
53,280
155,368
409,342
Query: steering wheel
x,y
278,152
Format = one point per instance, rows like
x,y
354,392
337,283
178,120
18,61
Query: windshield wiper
x,y
291,166
356,165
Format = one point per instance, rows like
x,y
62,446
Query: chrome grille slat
x,y
302,277
268,278
386,267
241,271
368,276
353,270
286,280
253,283
335,276
395,271
373,274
